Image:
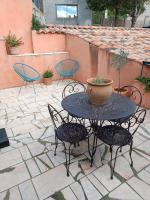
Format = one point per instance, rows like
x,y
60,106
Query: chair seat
x,y
114,135
71,132
122,120
66,74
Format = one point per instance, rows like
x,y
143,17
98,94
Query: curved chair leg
x,y
67,159
130,153
120,150
113,168
56,145
93,148
33,88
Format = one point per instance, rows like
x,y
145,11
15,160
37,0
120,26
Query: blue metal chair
x,y
67,68
26,73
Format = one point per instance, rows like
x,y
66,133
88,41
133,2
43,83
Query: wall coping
x,y
40,54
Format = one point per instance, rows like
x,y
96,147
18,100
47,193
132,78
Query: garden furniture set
x,y
114,123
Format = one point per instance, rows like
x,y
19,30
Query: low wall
x,y
79,50
40,61
97,62
48,42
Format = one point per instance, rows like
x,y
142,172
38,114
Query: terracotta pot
x,y
47,81
99,93
14,50
124,92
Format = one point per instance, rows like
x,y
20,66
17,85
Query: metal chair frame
x,y
67,73
71,127
135,95
73,87
20,69
134,122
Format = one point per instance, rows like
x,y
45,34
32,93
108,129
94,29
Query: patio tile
x,y
36,134
80,149
97,184
13,175
33,168
44,163
27,191
9,159
145,176
48,132
29,144
78,191
80,168
123,168
144,149
124,192
25,152
58,159
139,162
68,194
52,181
103,175
23,129
140,187
148,169
36,148
11,194
90,191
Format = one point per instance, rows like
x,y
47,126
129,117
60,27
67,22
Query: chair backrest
x,y
67,67
134,94
26,72
56,117
73,87
135,121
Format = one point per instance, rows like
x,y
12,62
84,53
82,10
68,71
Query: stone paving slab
x,y
29,169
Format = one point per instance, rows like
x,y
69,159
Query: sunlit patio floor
x,y
30,171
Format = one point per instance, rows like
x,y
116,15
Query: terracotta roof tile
x,y
136,40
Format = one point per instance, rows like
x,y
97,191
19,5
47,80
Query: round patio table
x,y
117,107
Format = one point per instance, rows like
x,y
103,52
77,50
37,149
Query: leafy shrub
x,y
36,24
145,81
48,74
12,41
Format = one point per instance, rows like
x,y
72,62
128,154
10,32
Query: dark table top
x,y
118,106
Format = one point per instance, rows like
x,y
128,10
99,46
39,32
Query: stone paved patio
x,y
30,171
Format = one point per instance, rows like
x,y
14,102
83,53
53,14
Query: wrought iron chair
x,y
73,87
26,73
67,68
120,135
66,132
135,95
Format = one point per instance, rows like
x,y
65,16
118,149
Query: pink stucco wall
x,y
41,62
79,50
16,16
48,42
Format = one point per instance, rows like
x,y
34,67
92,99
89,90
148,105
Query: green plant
x,y
48,74
36,24
145,81
98,81
119,61
12,41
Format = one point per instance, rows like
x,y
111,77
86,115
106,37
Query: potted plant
x,y
99,90
13,43
47,77
145,81
119,61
